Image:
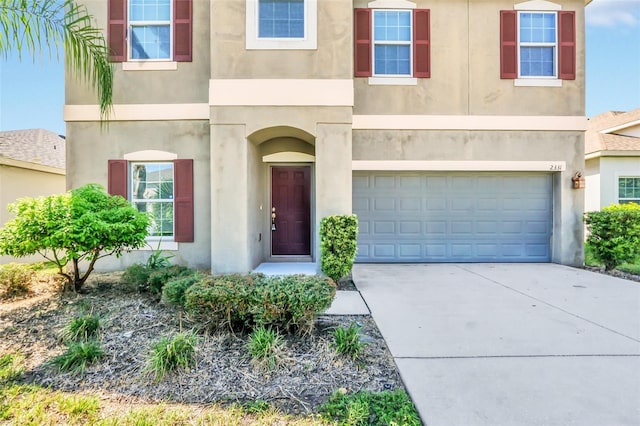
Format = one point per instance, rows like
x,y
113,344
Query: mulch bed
x,y
309,372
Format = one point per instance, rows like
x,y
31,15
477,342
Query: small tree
x,y
85,224
338,245
614,234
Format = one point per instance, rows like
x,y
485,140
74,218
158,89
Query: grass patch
x,y
371,408
169,354
347,340
78,356
265,347
10,367
81,329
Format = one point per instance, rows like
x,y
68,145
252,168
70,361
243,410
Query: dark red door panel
x,y
291,199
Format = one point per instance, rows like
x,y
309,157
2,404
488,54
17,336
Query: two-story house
x,y
451,128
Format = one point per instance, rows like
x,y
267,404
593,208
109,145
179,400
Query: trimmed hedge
x,y
614,234
338,245
244,302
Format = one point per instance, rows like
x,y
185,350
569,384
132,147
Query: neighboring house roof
x,y
36,146
606,134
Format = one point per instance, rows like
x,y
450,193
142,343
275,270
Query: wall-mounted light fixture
x,y
578,181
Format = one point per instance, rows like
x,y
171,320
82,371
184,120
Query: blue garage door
x,y
453,217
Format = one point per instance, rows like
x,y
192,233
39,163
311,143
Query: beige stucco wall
x,y
17,182
465,74
188,84
612,168
89,148
514,146
592,185
332,58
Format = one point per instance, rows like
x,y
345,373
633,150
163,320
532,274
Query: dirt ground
x,y
309,371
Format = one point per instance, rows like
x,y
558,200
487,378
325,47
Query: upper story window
x,y
281,18
629,190
150,29
148,32
281,24
537,47
538,44
392,46
392,42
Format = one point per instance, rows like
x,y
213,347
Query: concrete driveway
x,y
510,344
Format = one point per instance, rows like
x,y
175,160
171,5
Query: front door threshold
x,y
291,259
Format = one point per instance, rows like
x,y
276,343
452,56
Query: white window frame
x,y
539,44
131,24
391,43
618,199
154,238
308,42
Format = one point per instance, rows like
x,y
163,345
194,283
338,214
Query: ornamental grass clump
x,y
347,341
78,356
266,347
81,329
171,353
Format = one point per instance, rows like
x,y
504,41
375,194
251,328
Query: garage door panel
x,y
453,217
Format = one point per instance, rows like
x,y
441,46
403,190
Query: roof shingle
x,y
36,146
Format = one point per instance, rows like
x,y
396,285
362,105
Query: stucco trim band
x,y
281,92
289,157
475,166
4,161
138,112
469,122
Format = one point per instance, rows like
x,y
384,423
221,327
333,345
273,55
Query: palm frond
x,y
40,27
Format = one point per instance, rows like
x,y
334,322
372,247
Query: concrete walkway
x,y
510,344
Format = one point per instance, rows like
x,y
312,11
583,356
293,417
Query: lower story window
x,y
629,190
152,188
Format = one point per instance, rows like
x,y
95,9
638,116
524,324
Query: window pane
x,y
392,26
536,61
629,189
150,42
149,10
152,193
537,28
281,18
392,60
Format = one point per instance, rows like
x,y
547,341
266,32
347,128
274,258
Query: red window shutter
x,y
421,43
508,44
362,49
183,200
117,178
117,30
182,31
567,45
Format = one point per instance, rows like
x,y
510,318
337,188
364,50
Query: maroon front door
x,y
291,204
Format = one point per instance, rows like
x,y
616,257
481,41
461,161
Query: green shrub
x,y
15,280
158,278
347,340
338,245
169,354
137,275
291,302
243,302
614,234
81,329
371,408
78,355
265,347
73,229
174,290
221,300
